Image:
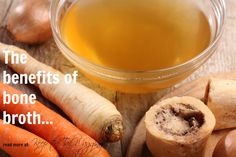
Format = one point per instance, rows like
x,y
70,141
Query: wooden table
x,y
132,106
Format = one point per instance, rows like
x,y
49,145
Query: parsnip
x,y
221,99
92,113
178,127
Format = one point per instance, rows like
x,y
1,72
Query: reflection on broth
x,y
136,34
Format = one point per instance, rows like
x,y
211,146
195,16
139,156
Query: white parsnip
x,y
89,111
221,99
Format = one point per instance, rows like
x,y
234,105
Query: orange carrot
x,y
68,140
18,142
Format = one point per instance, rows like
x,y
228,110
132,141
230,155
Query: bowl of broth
x,y
137,46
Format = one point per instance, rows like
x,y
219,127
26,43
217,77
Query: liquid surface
x,y
136,34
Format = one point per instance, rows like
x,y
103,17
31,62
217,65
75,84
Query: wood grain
x,y
132,107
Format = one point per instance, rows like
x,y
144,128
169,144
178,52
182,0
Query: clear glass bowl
x,y
141,81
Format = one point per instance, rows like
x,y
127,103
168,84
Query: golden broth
x,y
136,34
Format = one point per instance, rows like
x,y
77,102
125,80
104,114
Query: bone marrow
x,y
179,119
179,127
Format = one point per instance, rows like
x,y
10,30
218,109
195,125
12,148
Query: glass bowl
x,y
141,81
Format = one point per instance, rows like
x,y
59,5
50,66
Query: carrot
x,y
90,112
18,142
68,140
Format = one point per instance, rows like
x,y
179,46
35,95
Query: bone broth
x,y
136,34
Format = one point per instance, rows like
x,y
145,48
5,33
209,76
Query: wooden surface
x,y
132,107
196,88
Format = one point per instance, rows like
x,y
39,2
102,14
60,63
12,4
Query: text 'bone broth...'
x,y
136,34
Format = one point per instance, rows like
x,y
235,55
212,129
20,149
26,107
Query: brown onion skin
x,y
226,147
29,21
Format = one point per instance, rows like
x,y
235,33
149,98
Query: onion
x,y
29,21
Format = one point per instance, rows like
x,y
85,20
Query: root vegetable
x,y
68,140
179,127
29,21
221,99
226,147
92,113
11,138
